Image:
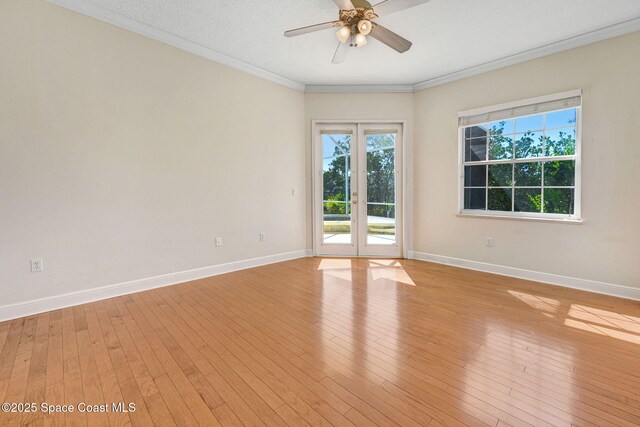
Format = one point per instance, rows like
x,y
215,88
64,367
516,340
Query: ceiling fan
x,y
357,20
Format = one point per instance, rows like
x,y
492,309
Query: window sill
x,y
522,218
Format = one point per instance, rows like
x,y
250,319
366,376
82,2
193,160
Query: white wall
x,y
122,158
606,247
359,107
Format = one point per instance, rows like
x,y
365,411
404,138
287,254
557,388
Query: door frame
x,y
346,250
403,196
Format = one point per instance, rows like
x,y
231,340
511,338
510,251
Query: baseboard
x,y
310,252
42,305
537,276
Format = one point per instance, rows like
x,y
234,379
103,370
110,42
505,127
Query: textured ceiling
x,y
447,35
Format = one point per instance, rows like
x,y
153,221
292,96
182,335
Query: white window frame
x,y
576,217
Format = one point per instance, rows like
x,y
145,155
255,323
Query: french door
x,y
357,189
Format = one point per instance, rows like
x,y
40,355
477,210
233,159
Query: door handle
x,y
355,202
355,194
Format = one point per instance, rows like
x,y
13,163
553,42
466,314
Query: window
x,y
522,159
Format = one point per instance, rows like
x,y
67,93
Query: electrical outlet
x,y
218,242
489,242
262,237
36,265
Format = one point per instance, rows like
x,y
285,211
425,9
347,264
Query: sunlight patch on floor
x,y
385,263
590,319
336,267
544,304
334,263
608,314
390,270
602,330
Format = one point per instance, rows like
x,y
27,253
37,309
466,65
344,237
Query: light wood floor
x,y
333,342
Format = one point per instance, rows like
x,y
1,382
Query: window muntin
x,y
521,166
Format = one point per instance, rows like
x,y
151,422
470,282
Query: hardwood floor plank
x,y
88,369
128,386
356,418
226,416
174,401
105,370
174,336
5,327
298,404
362,406
199,396
54,392
73,388
8,355
390,405
242,410
290,416
154,401
17,384
36,383
322,341
226,393
485,414
264,362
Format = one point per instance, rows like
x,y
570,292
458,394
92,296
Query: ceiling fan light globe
x,y
364,27
343,34
360,40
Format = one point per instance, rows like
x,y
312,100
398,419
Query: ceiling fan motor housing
x,y
358,20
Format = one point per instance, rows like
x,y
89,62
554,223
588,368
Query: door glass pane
x,y
381,192
336,191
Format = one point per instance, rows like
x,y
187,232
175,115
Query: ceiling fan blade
x,y
311,28
341,53
388,7
344,4
391,39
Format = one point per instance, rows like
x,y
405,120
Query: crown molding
x,y
359,89
121,21
118,20
600,34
